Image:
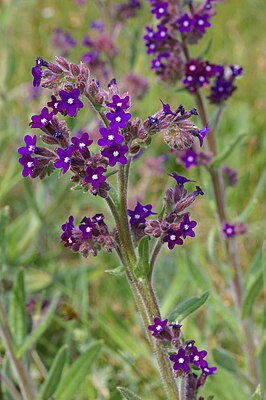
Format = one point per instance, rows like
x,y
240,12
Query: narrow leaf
x,y
4,217
41,328
141,269
254,199
256,395
53,378
128,394
77,373
221,157
188,307
17,310
118,271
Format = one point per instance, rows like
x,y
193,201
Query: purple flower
x,y
208,370
140,213
202,133
180,180
87,229
98,25
162,33
173,237
221,90
187,226
185,24
70,102
29,165
39,121
98,218
153,121
157,62
181,360
64,158
189,158
150,34
158,326
110,136
236,70
67,232
119,117
81,143
160,9
229,230
115,154
30,145
167,109
95,176
197,357
123,104
37,75
201,22
54,103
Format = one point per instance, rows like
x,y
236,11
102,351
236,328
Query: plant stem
x,y
11,388
22,375
154,255
230,245
182,387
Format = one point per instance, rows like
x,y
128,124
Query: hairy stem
x,y
231,248
154,255
22,375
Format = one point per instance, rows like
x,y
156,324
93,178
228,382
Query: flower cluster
x,y
89,236
187,358
62,41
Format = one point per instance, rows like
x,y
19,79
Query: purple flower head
x,y
54,103
153,121
198,192
150,34
201,22
140,213
189,344
95,176
180,360
162,33
172,238
37,75
67,232
123,104
185,24
208,370
159,9
97,218
29,165
90,58
229,230
82,142
157,63
180,180
87,229
39,121
158,326
197,357
98,25
110,136
167,109
236,70
189,158
115,154
202,133
64,158
187,226
70,102
119,117
30,145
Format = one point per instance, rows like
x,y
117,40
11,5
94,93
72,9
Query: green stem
x,y
11,388
22,375
182,387
155,252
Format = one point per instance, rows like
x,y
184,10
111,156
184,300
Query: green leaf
x,y
114,196
141,269
118,271
188,307
128,394
262,363
49,386
77,373
110,173
227,151
17,310
41,328
4,218
256,395
254,199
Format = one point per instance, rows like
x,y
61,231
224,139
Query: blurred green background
x,y
103,302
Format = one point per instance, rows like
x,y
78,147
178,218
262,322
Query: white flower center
x,y
70,101
229,230
173,237
66,160
152,46
190,159
70,240
192,67
31,147
208,68
110,137
181,360
189,78
150,34
196,358
88,229
220,88
186,227
118,119
144,209
95,177
44,121
161,10
159,328
30,164
201,78
162,34
55,105
200,22
137,216
119,104
116,153
158,63
185,23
